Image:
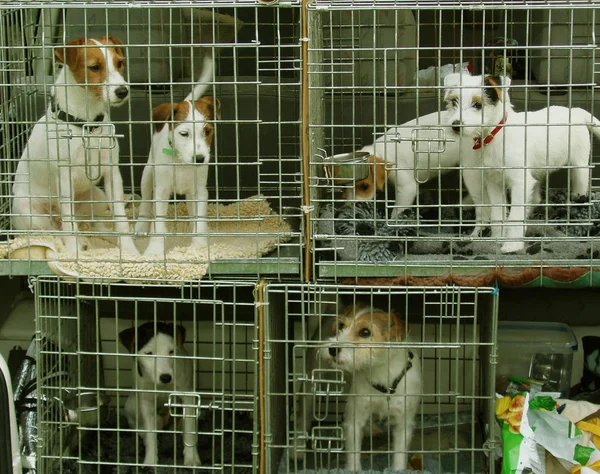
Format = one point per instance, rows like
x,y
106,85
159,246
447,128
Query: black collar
x,y
391,390
61,115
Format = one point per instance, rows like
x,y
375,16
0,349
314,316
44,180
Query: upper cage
x,y
240,194
400,95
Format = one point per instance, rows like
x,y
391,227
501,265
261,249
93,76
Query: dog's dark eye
x,y
477,105
171,353
454,102
94,67
120,64
184,134
341,326
364,186
148,353
364,333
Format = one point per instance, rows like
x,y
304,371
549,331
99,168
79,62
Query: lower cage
x,y
326,348
194,361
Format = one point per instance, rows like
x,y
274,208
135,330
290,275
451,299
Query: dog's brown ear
x,y
70,55
180,334
398,329
116,42
127,338
381,173
161,114
209,106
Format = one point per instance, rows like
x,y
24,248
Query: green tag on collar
x,y
168,151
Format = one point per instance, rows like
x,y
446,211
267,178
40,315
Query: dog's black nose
x,y
199,158
121,92
456,126
165,378
333,351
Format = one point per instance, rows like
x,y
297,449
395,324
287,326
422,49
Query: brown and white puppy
x,y
162,367
53,182
385,380
406,164
177,164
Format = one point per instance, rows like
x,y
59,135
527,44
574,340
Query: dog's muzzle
x,y
121,92
334,351
200,158
165,378
456,126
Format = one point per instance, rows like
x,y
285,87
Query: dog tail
x,y
205,79
594,127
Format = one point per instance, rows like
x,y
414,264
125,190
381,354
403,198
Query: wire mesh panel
x,y
408,370
446,137
139,132
142,376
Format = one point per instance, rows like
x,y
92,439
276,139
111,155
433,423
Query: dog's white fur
x,y
51,187
366,361
529,147
178,171
395,160
162,366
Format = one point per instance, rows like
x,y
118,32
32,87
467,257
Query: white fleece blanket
x,y
248,229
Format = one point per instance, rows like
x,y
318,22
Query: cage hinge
x,y
326,439
31,284
308,209
267,354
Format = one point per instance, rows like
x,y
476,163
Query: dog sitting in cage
x,y
177,164
408,155
384,377
162,370
73,147
517,151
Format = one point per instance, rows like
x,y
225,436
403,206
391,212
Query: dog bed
x,y
102,453
383,243
251,226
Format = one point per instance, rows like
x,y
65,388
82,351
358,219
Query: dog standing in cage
x,y
72,148
435,152
177,164
162,367
385,380
514,151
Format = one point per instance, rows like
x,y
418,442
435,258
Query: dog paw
x,y
142,227
191,458
512,247
199,242
296,454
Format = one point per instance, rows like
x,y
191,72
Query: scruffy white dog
x,y
503,150
385,379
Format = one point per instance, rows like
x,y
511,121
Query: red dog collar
x,y
490,137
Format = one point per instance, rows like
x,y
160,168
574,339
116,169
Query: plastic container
x,y
539,351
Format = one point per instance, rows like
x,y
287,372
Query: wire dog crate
x,y
377,72
254,182
452,329
85,377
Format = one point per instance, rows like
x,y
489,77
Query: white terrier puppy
x,y
162,367
408,163
506,150
61,165
385,380
177,164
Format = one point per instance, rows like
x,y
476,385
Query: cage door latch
x,y
326,383
97,139
425,141
327,439
184,405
